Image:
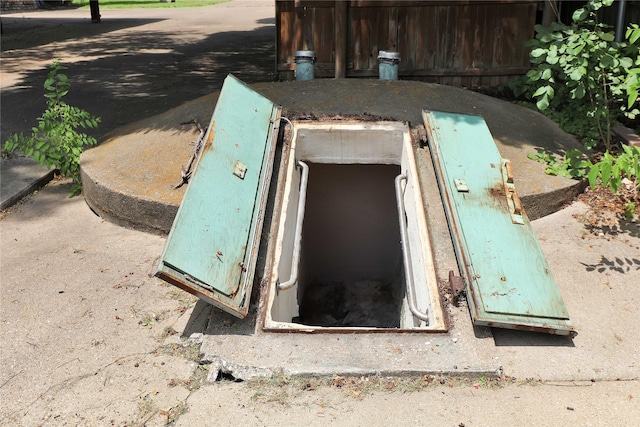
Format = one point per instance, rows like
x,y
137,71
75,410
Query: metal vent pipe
x,y
304,64
388,65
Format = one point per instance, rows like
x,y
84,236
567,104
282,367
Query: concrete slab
x,y
72,323
597,276
20,176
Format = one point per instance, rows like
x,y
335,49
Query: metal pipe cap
x,y
310,54
389,56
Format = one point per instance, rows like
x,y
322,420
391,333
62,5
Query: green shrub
x,y
612,170
582,77
587,82
56,141
572,165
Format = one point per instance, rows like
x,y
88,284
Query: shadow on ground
x,y
123,80
623,265
513,338
25,33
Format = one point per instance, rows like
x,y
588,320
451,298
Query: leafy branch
x,y
55,141
587,82
583,75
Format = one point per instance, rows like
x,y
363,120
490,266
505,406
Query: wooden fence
x,y
461,43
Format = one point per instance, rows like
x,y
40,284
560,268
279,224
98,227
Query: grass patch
x,y
281,389
135,4
186,350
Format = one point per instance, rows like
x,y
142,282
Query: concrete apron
x,y
129,180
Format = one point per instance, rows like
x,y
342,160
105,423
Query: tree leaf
x,y
551,91
606,61
605,173
543,103
536,53
615,182
632,98
541,91
578,73
579,91
580,15
626,62
534,75
592,176
633,34
608,37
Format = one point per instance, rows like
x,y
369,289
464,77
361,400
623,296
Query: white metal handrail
x,y
406,254
297,243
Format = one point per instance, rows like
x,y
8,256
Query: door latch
x,y
240,169
515,205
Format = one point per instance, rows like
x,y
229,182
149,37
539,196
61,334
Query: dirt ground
x,y
89,338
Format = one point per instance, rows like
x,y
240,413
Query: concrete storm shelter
x,y
364,246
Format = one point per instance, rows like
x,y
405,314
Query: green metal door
x,y
213,243
509,283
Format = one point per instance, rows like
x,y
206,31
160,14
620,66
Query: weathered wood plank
x,y
341,39
430,35
424,3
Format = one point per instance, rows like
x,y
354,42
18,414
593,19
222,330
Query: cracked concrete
x,y
80,344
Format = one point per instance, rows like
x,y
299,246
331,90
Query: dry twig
x,y
197,146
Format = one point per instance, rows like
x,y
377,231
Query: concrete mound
x,y
129,179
